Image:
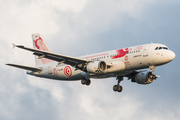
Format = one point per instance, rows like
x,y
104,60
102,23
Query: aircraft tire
x,y
88,82
83,82
120,88
115,88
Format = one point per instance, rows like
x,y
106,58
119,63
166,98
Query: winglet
x,y
14,45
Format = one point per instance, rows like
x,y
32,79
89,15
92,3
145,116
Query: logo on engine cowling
x,y
67,71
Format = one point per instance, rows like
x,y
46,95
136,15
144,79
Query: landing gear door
x,y
145,51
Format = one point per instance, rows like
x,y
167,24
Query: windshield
x,y
160,48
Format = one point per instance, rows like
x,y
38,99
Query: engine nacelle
x,y
116,66
96,67
144,78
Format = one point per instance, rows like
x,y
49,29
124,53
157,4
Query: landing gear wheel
x,y
86,82
120,88
83,82
117,88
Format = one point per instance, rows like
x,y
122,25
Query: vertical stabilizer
x,y
39,44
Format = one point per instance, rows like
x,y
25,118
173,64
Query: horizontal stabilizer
x,y
26,67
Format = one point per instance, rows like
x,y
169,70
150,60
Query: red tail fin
x,y
39,44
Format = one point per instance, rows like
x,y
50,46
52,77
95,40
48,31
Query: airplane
x,y
127,62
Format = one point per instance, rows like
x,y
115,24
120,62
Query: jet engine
x,y
96,67
144,78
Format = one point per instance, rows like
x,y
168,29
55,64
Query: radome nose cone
x,y
172,55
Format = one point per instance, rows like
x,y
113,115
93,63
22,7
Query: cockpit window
x,y
159,48
165,48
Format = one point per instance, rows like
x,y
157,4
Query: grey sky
x,y
82,27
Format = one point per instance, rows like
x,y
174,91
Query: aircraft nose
x,y
171,55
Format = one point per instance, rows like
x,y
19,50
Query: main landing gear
x,y
118,87
86,82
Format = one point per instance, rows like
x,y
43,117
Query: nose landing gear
x,y
153,76
118,87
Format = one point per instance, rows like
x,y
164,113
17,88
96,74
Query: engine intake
x,y
96,67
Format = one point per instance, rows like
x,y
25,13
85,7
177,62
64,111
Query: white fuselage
x,y
122,62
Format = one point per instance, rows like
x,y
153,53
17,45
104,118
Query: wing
x,y
73,61
26,67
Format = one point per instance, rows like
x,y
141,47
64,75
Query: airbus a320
x,y
120,63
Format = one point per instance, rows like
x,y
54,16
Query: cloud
x,y
68,5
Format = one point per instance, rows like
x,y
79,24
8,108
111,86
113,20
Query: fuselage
x,y
122,62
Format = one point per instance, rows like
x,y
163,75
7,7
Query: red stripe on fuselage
x,y
121,53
